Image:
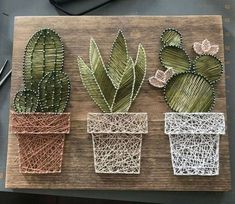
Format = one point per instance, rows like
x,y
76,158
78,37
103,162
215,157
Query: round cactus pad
x,y
176,58
171,37
208,66
188,92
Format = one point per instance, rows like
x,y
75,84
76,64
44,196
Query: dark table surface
x,y
226,8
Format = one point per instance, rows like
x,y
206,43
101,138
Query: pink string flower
x,y
160,78
205,48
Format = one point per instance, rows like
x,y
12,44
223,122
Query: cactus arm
x,y
25,101
54,92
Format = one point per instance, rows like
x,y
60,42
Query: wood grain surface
x,y
156,169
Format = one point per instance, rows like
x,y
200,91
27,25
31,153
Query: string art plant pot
x,y
117,141
194,142
41,139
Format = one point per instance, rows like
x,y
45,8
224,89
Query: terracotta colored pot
x,y
41,140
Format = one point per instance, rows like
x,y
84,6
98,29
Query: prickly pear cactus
x,y
47,87
188,87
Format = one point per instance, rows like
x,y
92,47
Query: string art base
x,y
117,141
41,140
194,142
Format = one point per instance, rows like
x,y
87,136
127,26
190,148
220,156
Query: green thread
x,y
115,86
43,75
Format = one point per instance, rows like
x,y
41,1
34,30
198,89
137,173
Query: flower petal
x,y
156,83
206,45
160,75
214,50
197,47
168,74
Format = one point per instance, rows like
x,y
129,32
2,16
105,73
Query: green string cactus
x,y
46,86
53,91
114,86
26,101
188,86
43,53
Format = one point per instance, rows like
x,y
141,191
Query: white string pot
x,y
117,141
194,142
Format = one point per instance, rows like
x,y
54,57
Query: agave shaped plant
x,y
189,89
38,118
114,87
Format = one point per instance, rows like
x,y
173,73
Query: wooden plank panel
x,y
156,170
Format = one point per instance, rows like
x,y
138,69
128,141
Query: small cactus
x,y
46,85
190,88
26,101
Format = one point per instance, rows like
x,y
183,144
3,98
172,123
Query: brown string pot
x,y
41,139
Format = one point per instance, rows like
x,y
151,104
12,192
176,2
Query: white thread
x,y
195,154
117,141
130,123
194,123
194,142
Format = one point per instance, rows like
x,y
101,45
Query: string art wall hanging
x,y
189,90
38,120
116,134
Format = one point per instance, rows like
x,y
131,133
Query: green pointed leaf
x,y
140,70
100,72
176,58
90,83
118,59
124,94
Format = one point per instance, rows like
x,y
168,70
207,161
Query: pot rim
x,y
96,125
55,127
213,123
